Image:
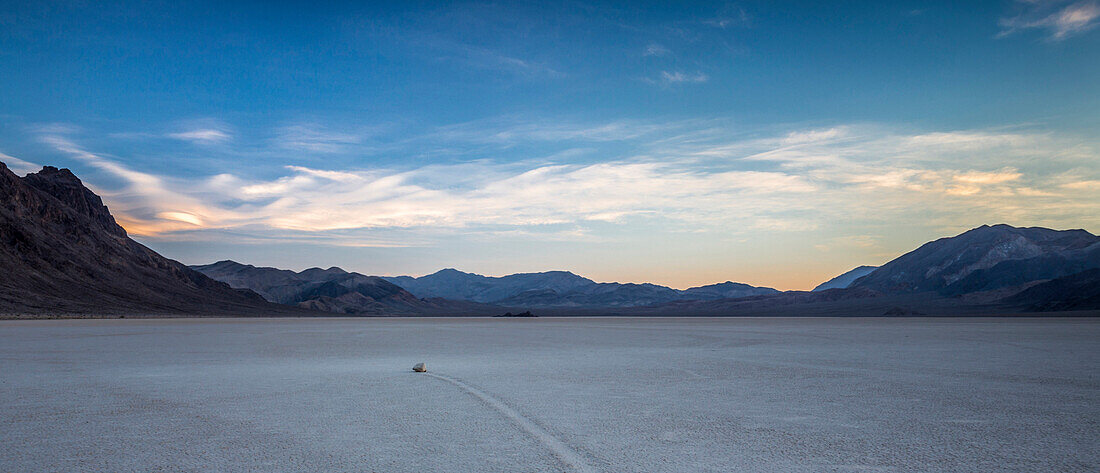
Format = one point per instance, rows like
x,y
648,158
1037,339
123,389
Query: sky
x,y
770,143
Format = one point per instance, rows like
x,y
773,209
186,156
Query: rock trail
x,y
566,454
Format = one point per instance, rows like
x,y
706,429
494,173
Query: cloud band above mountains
x,y
686,176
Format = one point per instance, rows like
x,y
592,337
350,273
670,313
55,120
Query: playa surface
x,y
551,395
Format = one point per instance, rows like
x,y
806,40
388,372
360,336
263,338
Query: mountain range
x,y
452,291
989,269
561,289
63,254
334,290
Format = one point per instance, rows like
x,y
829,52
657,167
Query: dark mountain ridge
x,y
64,254
453,284
332,290
561,289
986,258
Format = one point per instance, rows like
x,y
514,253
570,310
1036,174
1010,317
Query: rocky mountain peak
x,y
986,257
63,185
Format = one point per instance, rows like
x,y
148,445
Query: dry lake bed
x,y
551,395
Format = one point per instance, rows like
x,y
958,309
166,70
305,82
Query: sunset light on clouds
x,y
667,148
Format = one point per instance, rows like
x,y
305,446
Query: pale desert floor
x,y
551,394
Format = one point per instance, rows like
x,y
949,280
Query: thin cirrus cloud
x,y
729,15
479,57
315,138
510,131
654,49
682,181
677,77
202,136
1060,19
17,165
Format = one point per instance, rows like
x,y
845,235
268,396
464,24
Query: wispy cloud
x,y
57,128
1092,185
315,138
1060,19
730,15
478,56
17,165
654,49
517,130
677,77
202,136
492,59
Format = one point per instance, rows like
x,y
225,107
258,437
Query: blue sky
x,y
774,143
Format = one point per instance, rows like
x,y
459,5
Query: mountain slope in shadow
x,y
985,259
1079,291
62,253
844,280
335,290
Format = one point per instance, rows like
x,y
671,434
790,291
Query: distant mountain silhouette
x,y
987,258
560,289
457,285
725,290
332,290
62,253
594,295
846,279
779,303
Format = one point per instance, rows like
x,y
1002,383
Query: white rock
x,y
419,368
